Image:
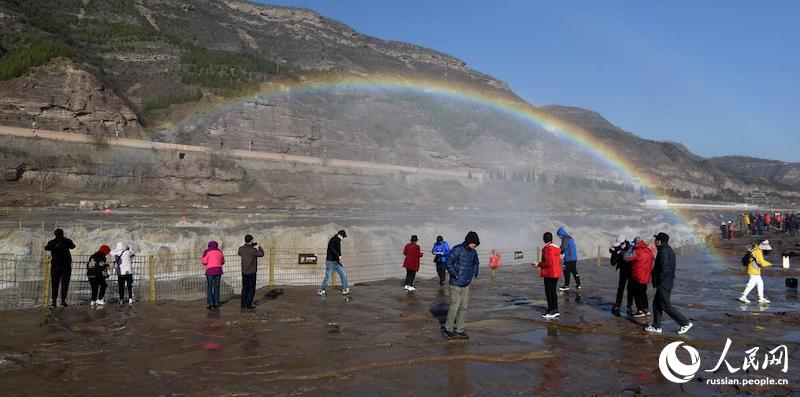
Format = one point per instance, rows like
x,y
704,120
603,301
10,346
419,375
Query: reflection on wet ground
x,y
386,341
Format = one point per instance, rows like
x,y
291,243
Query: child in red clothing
x,y
550,267
495,261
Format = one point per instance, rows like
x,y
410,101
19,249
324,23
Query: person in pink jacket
x,y
213,259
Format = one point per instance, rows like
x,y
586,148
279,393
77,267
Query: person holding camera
x,y
249,252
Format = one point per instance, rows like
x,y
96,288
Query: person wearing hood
x,y
663,278
550,270
462,265
412,253
213,259
60,265
440,251
97,272
641,267
570,254
754,266
333,263
123,263
249,252
618,250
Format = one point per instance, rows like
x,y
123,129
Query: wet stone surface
x,y
385,341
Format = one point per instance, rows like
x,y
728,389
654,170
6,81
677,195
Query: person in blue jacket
x,y
462,264
440,251
570,254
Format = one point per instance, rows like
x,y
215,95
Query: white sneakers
x,y
685,329
409,288
321,292
345,291
551,315
744,299
763,300
130,301
93,303
653,329
101,302
563,288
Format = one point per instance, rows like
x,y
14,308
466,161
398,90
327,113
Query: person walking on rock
x,y
60,265
213,259
123,263
97,272
249,252
550,270
440,252
570,254
754,265
333,263
663,279
412,253
462,265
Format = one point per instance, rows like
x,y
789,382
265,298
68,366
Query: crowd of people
x,y
756,224
639,264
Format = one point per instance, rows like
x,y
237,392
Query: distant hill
x,y
134,68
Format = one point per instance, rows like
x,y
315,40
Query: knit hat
x,y
104,249
765,246
662,237
472,237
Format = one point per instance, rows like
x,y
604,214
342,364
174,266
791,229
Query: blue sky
x,y
721,77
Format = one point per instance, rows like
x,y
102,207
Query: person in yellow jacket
x,y
757,261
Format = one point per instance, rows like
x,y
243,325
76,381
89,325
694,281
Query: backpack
x,y
746,258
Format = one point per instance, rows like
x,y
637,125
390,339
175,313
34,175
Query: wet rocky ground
x,y
384,341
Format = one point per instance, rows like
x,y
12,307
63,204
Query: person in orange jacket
x,y
495,261
550,270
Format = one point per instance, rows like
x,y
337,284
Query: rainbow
x,y
502,102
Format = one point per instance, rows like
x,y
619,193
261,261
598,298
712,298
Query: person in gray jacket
x,y
250,252
462,265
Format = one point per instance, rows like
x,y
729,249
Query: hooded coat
x,y
642,266
567,245
213,259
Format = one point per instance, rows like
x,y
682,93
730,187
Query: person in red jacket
x,y
550,270
411,263
641,268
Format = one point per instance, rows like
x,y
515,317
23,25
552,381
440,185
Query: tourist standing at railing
x,y
462,264
412,253
60,265
550,270
97,272
123,263
570,254
249,252
333,263
440,251
213,259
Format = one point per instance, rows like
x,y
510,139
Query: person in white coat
x,y
123,263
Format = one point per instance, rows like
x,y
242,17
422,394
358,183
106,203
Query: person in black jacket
x,y
60,265
663,277
97,272
618,250
333,263
249,252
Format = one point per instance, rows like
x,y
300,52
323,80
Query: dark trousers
x,y
625,282
441,271
122,281
571,267
59,274
98,284
640,294
661,303
248,289
550,285
410,274
212,290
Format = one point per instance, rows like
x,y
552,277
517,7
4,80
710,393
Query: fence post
x,y
46,289
152,269
272,255
599,253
